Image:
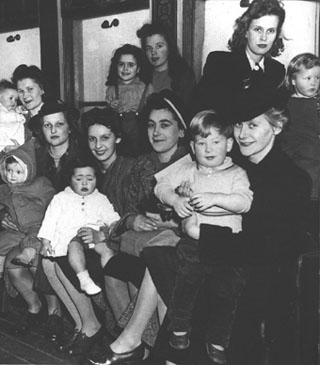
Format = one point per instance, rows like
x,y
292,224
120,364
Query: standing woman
x,y
249,65
168,69
30,84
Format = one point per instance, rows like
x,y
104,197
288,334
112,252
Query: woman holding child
x,y
272,235
29,81
112,173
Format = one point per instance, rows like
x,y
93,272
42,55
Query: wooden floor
x,y
32,348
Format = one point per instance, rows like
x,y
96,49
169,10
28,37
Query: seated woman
x,y
113,173
272,235
142,222
60,146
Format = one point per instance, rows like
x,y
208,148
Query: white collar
x,y
253,64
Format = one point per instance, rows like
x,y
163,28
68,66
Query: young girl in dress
x,y
127,90
301,141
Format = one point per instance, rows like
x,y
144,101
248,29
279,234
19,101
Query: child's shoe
x,y
180,342
87,284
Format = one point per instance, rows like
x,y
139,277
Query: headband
x,y
176,111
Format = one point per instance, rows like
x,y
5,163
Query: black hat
x,y
249,105
53,107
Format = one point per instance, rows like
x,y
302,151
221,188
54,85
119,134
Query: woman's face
x,y
255,137
163,133
102,143
157,52
261,35
30,93
56,129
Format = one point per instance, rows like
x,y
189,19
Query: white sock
x,y
83,275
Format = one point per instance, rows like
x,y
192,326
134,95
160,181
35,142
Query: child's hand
x,y
202,201
182,207
184,189
46,248
89,235
114,104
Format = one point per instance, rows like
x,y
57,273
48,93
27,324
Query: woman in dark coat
x,y
249,65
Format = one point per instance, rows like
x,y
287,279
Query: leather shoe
x,y
179,342
69,341
83,343
112,358
216,355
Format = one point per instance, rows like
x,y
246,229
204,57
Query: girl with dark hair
x,y
127,91
249,66
169,69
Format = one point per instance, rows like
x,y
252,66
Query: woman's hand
x,y
90,235
7,223
160,223
182,207
46,248
141,223
11,147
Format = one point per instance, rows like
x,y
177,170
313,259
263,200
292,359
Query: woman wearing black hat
x,y
249,65
273,232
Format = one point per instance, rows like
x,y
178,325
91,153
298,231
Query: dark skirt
x,y
92,264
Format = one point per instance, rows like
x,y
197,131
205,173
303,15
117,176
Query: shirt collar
x,y
253,64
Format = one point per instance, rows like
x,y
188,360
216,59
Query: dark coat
x,y
274,228
227,74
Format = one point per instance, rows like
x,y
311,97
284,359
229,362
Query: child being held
x,y
209,190
301,140
79,217
25,198
127,91
12,129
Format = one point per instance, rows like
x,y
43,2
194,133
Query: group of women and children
x,y
191,201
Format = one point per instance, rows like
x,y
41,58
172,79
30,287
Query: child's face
x,y
306,82
211,151
127,68
15,174
8,98
83,180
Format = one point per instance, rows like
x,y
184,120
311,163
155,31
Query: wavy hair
x,y
176,64
256,10
138,54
